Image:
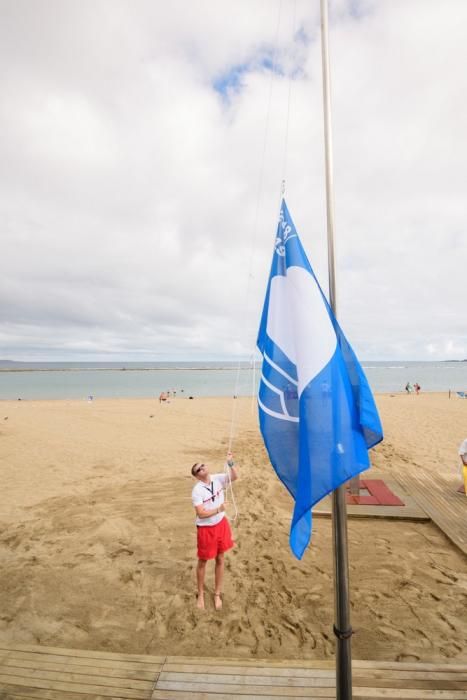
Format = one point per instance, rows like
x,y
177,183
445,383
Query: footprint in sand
x,y
407,657
446,621
392,632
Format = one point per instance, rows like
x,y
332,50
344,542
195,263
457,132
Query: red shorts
x,y
214,539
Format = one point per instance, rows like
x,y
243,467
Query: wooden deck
x,y
409,511
427,496
49,673
437,494
73,674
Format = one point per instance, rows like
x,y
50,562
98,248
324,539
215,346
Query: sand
x,y
97,537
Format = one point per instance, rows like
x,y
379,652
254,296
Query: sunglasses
x,y
197,471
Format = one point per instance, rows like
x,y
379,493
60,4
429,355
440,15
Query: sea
x,y
82,380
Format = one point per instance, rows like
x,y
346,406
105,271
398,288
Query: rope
x,y
289,99
253,383
259,197
227,471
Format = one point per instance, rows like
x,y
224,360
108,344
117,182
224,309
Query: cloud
x,y
142,151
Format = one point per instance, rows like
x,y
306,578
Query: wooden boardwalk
x,y
437,494
49,673
410,511
427,495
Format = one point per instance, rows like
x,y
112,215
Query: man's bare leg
x,y
200,576
218,578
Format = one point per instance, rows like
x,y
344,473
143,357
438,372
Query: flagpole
x,y
342,628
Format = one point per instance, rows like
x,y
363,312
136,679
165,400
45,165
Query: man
x,y
463,456
213,529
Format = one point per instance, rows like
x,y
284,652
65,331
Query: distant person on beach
x,y
417,387
408,388
214,536
162,397
463,456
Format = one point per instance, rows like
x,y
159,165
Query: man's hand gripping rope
x,y
230,464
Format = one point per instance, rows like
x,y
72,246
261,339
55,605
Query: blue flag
x,y
317,414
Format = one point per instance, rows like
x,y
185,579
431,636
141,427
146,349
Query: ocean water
x,y
61,380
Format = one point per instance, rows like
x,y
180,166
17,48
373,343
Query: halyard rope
x,y
259,196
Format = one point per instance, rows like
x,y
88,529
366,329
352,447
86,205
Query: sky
x,y
143,145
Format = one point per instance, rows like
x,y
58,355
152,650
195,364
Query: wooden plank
x,y
78,678
357,695
15,693
71,668
374,673
360,693
250,670
287,682
83,653
374,679
181,695
411,666
375,512
240,679
264,663
392,671
326,664
407,683
73,687
239,689
39,659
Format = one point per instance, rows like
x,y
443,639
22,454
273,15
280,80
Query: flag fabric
x,y
317,414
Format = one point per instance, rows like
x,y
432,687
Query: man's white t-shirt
x,y
211,496
463,448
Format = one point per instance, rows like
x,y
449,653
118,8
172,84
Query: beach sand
x,y
97,537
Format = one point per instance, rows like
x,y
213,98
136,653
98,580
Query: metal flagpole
x,y
342,628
